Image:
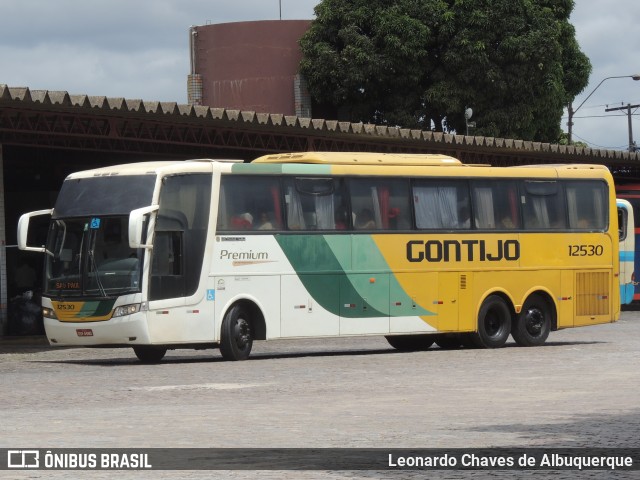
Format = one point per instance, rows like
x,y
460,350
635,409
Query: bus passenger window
x,y
380,204
441,205
496,204
249,202
622,223
180,236
543,205
311,203
586,204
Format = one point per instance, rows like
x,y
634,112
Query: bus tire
x,y
532,326
410,343
149,353
448,341
236,336
494,323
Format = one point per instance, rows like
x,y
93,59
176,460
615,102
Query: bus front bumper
x,y
121,331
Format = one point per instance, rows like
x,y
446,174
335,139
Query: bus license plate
x,y
84,332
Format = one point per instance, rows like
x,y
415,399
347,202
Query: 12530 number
x,y
585,250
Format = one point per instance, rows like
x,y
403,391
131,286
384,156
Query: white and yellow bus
x,y
418,248
627,248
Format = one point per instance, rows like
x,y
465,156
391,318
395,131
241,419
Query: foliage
x,y
564,140
420,63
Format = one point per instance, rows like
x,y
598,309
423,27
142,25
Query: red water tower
x,y
249,66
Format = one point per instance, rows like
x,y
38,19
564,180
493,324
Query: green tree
x,y
418,63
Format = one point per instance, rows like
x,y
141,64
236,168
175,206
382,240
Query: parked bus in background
x,y
418,248
626,227
631,193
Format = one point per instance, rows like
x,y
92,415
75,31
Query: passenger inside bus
x,y
365,221
265,223
341,219
244,221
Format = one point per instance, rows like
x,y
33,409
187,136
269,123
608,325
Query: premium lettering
x,y
463,250
250,255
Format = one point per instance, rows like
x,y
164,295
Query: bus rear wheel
x,y
149,353
531,328
409,343
494,323
236,336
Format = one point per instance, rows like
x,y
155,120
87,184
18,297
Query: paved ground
x,y
579,390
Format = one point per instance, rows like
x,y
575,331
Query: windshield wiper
x,y
94,265
95,269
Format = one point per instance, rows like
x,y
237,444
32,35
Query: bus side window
x,y
313,203
586,204
380,204
167,259
441,204
249,202
543,205
496,204
180,236
622,224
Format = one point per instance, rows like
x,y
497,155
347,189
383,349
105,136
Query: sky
x,y
139,49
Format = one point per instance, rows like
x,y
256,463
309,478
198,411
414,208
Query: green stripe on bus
x,y
274,168
258,168
98,308
366,284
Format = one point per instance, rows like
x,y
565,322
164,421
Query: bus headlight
x,y
49,313
123,310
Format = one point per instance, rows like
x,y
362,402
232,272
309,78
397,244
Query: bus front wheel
x,y
236,337
532,326
494,323
149,353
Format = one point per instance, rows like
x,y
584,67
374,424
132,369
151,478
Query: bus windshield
x,y
91,256
88,249
110,195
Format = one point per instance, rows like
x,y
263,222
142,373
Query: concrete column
x,y
3,255
301,97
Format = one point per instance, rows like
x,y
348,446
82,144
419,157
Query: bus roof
x,y
151,167
361,158
566,166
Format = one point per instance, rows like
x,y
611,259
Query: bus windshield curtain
x,y
277,209
375,201
483,198
380,201
513,208
436,207
384,206
541,212
324,212
572,205
295,216
598,205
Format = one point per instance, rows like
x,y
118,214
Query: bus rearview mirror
x,y
137,226
23,230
